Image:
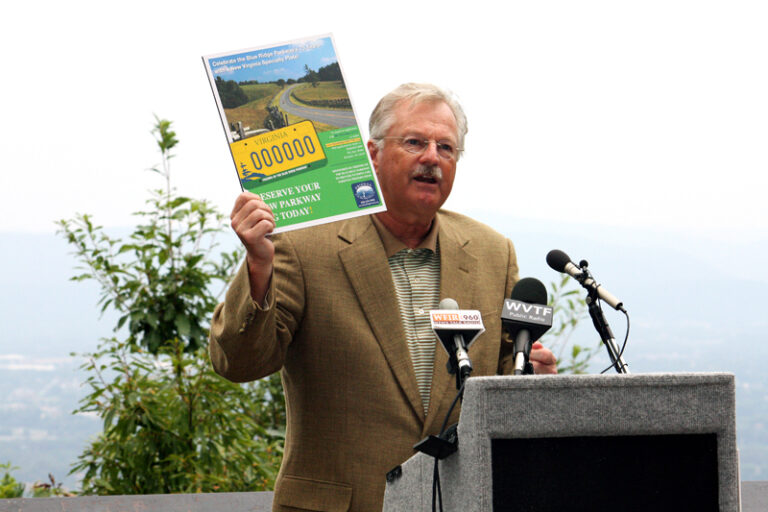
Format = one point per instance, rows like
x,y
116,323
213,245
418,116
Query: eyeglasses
x,y
417,146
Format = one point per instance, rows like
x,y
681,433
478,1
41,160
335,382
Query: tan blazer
x,y
333,326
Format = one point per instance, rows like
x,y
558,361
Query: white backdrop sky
x,y
649,114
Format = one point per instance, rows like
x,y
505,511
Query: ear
x,y
373,151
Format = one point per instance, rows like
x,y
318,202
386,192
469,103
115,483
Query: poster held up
x,y
293,133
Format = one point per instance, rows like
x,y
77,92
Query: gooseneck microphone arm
x,y
561,262
602,327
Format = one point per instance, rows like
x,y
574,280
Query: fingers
x,y
251,218
248,211
543,360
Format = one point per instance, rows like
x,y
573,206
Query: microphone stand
x,y
459,363
447,442
523,366
600,323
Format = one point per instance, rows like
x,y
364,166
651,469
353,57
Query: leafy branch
x,y
568,310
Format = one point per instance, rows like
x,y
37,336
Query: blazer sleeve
x,y
248,341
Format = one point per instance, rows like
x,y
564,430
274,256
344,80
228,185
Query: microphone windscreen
x,y
530,290
557,260
448,304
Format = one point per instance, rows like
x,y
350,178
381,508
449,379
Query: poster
x,y
292,131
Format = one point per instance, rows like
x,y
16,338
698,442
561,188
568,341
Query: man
x,y
342,309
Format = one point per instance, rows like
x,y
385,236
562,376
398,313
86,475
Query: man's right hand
x,y
253,220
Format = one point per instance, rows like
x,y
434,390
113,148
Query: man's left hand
x,y
543,359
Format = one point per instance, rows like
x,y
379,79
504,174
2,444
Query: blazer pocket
x,y
316,495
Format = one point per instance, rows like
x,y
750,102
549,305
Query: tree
x,y
230,93
330,73
162,289
311,76
170,423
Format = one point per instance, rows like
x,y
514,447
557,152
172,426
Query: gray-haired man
x,y
343,311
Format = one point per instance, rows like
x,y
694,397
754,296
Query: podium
x,y
650,442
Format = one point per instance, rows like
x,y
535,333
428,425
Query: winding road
x,y
338,118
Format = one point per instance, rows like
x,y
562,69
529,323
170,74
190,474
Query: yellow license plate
x,y
278,153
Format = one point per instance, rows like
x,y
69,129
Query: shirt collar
x,y
392,245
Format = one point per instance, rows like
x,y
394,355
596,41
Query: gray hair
x,y
382,117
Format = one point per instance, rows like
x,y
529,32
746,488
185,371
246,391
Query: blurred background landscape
x,y
632,135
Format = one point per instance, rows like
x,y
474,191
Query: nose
x,y
430,156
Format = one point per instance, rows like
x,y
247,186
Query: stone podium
x,y
585,442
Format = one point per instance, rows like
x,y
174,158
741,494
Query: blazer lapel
x,y
365,264
456,270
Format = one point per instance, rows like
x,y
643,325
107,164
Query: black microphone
x,y
525,316
560,261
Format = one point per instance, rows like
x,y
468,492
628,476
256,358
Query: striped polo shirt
x,y
416,274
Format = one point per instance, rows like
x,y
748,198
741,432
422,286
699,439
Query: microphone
x,y
560,261
456,329
525,316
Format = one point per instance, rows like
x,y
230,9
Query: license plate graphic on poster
x,y
278,154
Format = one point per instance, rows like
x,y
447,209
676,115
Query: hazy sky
x,y
651,114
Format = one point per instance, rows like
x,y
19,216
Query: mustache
x,y
427,171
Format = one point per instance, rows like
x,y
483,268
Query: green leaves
x,y
161,277
170,423
569,310
165,137
9,486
